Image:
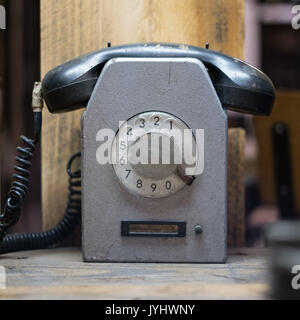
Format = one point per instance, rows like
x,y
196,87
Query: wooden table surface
x,y
61,274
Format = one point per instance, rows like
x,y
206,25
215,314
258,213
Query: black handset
x,y
240,86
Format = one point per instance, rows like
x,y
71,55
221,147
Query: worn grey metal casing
x,y
182,87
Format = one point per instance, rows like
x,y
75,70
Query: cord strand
x,y
44,239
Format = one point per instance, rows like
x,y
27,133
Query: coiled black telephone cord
x,y
17,194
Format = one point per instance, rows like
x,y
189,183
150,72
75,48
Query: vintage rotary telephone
x,y
138,211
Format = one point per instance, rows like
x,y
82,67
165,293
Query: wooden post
x,y
236,188
70,28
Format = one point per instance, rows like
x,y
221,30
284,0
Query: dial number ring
x,y
134,177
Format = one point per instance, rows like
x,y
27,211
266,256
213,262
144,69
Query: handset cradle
x,y
240,86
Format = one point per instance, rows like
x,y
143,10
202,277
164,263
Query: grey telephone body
x,y
180,87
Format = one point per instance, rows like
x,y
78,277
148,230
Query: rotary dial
x,y
149,152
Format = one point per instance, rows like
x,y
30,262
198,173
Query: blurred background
x,y
272,148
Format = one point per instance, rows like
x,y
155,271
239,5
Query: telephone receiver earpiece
x,y
239,86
